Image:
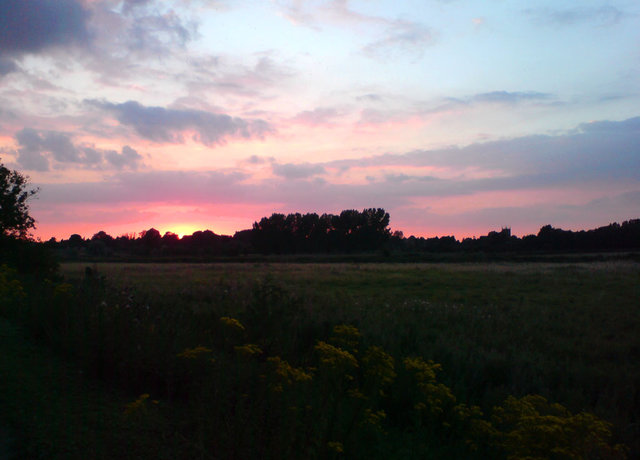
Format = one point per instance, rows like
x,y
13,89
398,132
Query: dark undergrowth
x,y
257,370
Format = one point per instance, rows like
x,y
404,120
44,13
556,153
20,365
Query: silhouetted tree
x,y
15,220
170,238
352,230
102,236
75,241
150,240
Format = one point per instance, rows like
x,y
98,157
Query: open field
x,y
277,360
568,332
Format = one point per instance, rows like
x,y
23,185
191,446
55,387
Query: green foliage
x,y
531,427
11,290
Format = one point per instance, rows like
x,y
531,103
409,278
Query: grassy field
x,y
568,332
424,345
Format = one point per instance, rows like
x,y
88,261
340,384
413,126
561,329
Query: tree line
x,y
350,232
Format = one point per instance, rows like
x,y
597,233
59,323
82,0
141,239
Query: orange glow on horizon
x,y
182,229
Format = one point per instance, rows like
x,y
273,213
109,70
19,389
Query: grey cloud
x,y
29,26
506,97
167,125
33,145
58,144
154,33
317,116
398,178
606,150
297,171
631,125
258,160
38,150
371,97
127,157
33,160
7,66
495,97
222,74
402,37
128,5
511,98
125,36
604,15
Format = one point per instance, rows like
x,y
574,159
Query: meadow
x,y
273,360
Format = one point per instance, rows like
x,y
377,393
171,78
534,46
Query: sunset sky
x,y
456,116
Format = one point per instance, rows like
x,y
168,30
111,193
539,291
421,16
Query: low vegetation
x,y
339,360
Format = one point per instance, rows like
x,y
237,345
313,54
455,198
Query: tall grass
x,y
375,362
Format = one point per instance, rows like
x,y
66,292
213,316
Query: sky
x,y
458,117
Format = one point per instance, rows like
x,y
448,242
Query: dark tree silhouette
x,y
75,240
102,236
15,220
350,231
150,239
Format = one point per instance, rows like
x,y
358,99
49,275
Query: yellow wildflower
x,y
194,353
332,356
347,337
232,323
248,350
287,373
137,405
335,446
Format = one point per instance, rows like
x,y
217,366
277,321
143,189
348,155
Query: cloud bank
x,y
159,124
39,150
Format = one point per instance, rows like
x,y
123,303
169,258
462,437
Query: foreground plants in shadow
x,y
270,381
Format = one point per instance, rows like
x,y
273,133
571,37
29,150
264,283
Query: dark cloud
x,y
7,66
38,150
29,26
167,125
605,150
35,148
297,171
127,158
